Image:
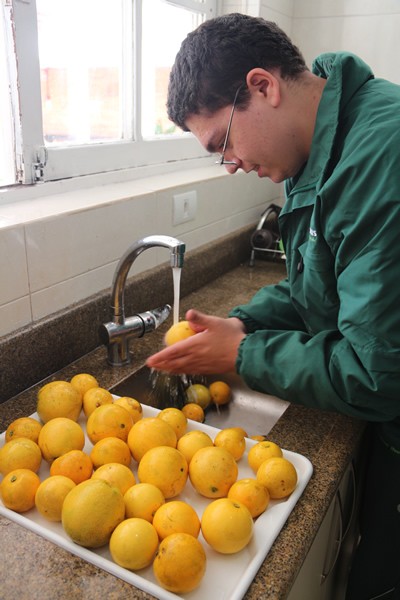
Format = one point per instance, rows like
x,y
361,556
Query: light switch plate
x,y
184,207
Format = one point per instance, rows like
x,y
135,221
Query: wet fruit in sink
x,y
252,494
232,439
176,418
75,464
142,500
212,471
21,453
193,441
220,392
117,475
50,496
178,332
194,412
133,407
91,512
18,490
149,433
176,517
198,393
59,436
109,420
109,450
84,382
166,468
278,475
95,397
133,544
58,399
180,563
227,525
26,427
260,452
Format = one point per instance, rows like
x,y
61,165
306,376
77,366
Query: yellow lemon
x,y
95,397
220,392
18,490
91,511
50,496
110,450
250,493
212,471
75,464
149,433
117,475
193,441
180,563
26,427
197,393
260,452
108,420
20,453
133,544
178,332
278,475
194,412
176,517
142,500
166,468
133,407
176,418
58,399
84,382
232,439
227,525
59,436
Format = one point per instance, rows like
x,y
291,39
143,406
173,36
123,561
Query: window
x,y
89,95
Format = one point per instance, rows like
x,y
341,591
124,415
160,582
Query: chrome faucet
x,y
116,334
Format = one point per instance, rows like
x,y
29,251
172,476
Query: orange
x,y
220,392
278,475
20,453
26,427
212,471
232,439
108,420
18,490
180,563
133,544
178,332
95,397
259,438
59,436
58,399
50,496
197,393
110,450
166,468
176,517
83,382
91,511
227,525
193,441
142,500
149,433
133,407
260,452
75,465
250,493
194,412
118,475
176,419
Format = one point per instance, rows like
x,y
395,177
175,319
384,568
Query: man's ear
x,y
260,81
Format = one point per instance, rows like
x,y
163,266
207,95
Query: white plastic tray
x,y
227,576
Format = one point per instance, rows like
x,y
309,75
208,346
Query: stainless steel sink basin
x,y
256,413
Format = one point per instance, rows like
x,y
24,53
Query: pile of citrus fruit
x,y
117,477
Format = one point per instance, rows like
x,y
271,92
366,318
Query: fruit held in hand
x,y
178,332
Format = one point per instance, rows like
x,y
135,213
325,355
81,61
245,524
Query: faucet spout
x,y
119,330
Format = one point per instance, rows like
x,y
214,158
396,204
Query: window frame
x,y
36,162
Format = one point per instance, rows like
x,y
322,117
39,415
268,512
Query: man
x,y
329,336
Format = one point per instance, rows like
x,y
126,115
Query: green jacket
x,y
329,336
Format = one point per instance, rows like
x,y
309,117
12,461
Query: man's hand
x,y
213,350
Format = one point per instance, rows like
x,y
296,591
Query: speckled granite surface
x,y
31,567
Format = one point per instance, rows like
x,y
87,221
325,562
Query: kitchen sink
x,y
256,413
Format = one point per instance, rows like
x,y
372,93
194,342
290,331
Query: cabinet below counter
x,y
32,567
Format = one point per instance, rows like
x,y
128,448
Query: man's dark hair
x,y
213,62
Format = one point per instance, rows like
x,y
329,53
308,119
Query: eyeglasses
x,y
222,160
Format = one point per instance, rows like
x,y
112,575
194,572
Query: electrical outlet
x,y
185,207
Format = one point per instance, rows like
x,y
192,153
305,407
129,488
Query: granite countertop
x,y
31,567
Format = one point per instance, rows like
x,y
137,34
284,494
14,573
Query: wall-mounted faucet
x,y
116,334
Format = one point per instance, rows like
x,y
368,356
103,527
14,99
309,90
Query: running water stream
x,y
176,274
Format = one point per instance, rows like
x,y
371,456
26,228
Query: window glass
x,y
7,165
